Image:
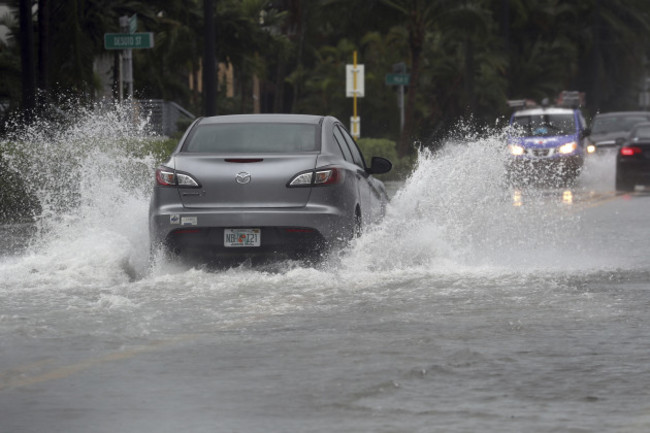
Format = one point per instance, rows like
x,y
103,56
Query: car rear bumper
x,y
637,171
283,230
208,243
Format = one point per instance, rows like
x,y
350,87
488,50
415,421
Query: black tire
x,y
358,224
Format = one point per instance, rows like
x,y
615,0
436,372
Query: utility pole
x,y
355,88
125,42
209,60
127,57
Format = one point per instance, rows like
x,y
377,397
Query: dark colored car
x,y
264,185
633,159
606,128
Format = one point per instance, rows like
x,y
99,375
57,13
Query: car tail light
x,y
321,177
326,177
167,177
631,151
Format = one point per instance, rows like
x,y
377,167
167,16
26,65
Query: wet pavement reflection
x,y
570,196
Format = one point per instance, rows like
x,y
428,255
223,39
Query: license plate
x,y
235,238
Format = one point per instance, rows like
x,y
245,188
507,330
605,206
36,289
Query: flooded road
x,y
472,307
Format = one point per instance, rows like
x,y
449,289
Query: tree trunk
x,y
44,48
210,61
470,92
27,58
278,97
406,139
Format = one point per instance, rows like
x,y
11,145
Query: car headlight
x,y
568,147
516,150
591,148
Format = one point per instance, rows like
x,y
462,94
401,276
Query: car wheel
x,y
623,184
358,225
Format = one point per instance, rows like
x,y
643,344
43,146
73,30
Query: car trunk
x,y
262,180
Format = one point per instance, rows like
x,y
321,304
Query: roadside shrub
x,y
16,203
160,149
386,149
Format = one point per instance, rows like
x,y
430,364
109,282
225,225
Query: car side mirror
x,y
379,165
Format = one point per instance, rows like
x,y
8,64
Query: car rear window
x,y
642,132
604,125
253,138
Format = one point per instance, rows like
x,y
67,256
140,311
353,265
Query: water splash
x,y
454,213
91,180
451,229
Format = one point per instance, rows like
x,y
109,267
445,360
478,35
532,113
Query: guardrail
x,y
163,115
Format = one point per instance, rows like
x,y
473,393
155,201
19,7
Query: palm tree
x,y
164,70
420,16
10,70
613,48
28,71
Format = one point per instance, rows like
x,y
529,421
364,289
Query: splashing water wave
x,y
92,182
453,214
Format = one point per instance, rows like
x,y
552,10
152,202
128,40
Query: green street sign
x,y
398,79
133,23
128,41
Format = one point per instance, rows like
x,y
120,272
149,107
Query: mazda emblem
x,y
243,178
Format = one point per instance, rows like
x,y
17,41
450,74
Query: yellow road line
x,y
15,378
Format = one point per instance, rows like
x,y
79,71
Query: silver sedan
x,y
264,185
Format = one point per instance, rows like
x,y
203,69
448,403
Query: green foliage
x,y
16,204
160,149
466,58
19,204
386,149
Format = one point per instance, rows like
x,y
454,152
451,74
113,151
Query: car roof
x,y
263,118
542,111
641,125
623,113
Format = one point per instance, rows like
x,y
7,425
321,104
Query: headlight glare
x,y
516,149
568,147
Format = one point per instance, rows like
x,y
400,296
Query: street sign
x,y
398,79
128,41
355,127
349,81
133,23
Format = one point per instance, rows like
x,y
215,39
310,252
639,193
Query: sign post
x,y
399,78
126,41
355,88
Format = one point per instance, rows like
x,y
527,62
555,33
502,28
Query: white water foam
x,y
454,214
92,185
